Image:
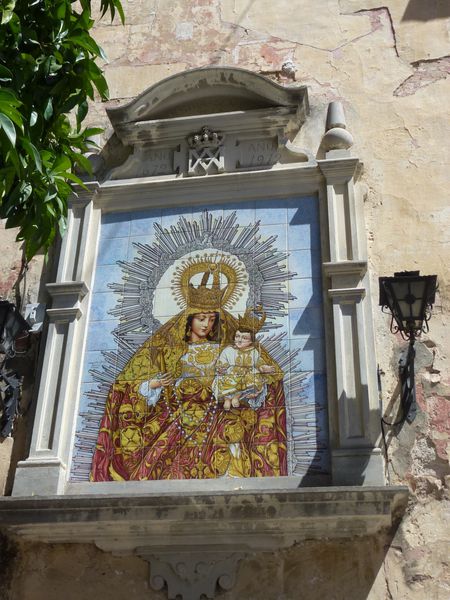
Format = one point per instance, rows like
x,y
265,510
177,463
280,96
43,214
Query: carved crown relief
x,y
205,152
207,122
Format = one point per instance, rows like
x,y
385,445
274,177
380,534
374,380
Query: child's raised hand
x,y
267,369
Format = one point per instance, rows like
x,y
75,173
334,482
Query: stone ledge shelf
x,y
241,521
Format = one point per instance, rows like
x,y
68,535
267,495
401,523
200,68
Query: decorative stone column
x,y
354,411
44,471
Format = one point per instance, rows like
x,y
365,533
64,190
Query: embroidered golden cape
x,y
186,434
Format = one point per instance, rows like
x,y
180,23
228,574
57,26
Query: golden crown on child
x,y
251,321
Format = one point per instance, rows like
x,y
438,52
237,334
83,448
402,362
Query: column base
x,y
357,466
39,477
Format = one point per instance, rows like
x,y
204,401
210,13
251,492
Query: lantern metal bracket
x,y
408,388
408,297
10,392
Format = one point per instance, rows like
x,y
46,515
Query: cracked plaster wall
x,y
310,571
389,64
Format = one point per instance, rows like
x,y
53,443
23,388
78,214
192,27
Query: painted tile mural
x,y
205,348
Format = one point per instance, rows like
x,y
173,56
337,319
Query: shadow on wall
x,y
310,570
335,569
8,555
418,10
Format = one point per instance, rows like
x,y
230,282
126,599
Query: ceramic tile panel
x,y
112,250
305,292
115,225
205,351
143,222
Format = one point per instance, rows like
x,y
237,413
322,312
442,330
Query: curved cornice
x,y
205,91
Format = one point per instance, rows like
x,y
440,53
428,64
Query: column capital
x,y
338,170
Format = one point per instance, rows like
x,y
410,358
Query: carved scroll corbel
x,y
192,575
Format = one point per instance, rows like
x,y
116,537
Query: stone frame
x,y
353,404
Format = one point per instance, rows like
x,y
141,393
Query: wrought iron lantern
x,y
11,325
408,297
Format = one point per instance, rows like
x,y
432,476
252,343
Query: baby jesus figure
x,y
242,372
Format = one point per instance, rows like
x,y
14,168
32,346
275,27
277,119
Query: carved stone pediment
x,y
256,118
204,91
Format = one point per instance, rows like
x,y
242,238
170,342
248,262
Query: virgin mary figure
x,y
163,419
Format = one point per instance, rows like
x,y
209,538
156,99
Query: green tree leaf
x,y
8,11
8,127
5,74
48,110
33,152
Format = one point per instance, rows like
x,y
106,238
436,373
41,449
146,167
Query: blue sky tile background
x,y
111,250
143,223
311,355
306,322
116,225
102,305
245,211
100,335
271,212
307,292
104,275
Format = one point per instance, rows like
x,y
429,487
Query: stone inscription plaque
x,y
258,153
158,162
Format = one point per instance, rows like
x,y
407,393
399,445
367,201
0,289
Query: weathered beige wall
x,y
311,571
347,570
389,66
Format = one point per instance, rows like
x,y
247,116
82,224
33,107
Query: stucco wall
x,y
389,66
313,570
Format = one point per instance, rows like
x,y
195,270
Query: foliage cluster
x,y
47,70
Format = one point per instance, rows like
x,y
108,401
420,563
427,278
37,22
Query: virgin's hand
x,y
154,384
166,380
266,369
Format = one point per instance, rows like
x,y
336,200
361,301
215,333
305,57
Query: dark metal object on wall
x,y
12,328
11,325
10,392
408,297
408,389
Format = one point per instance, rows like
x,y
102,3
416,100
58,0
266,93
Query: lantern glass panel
x,y
389,297
418,288
4,309
404,311
400,289
13,324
